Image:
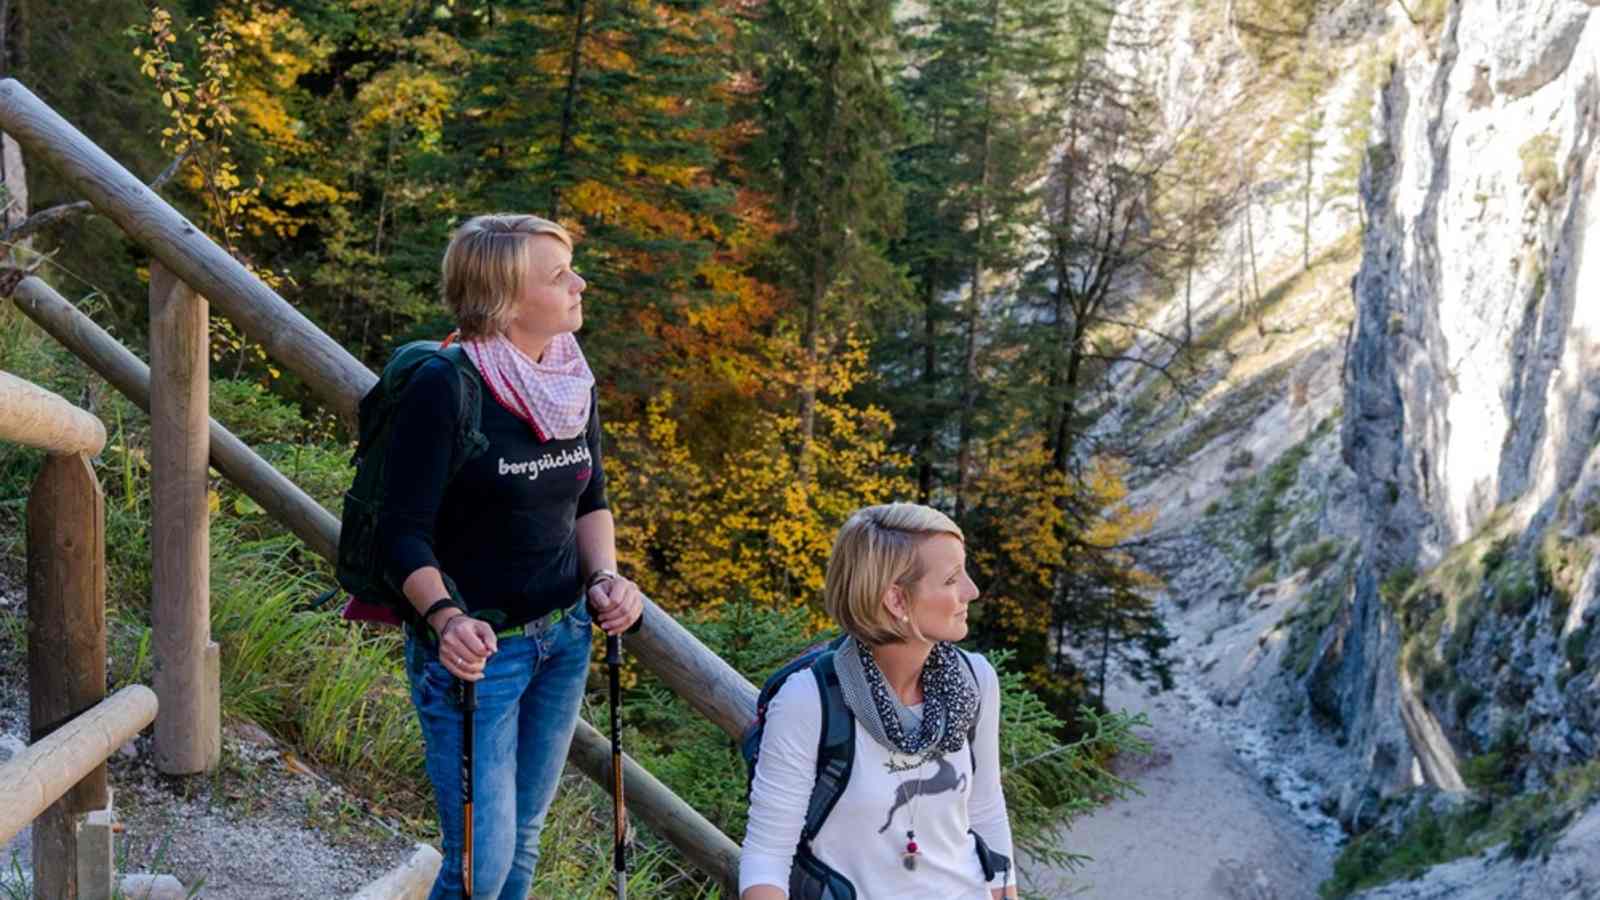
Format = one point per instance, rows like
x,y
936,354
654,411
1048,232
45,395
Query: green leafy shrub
x,y
1539,172
1515,587
1263,574
1577,646
1499,551
254,414
1307,624
1427,840
1315,557
1488,773
1393,588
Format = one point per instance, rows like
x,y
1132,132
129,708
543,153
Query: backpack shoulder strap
x,y
470,438
972,730
836,747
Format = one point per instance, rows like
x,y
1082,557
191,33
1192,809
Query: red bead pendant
x,y
911,847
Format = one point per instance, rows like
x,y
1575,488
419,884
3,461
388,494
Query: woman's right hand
x,y
465,645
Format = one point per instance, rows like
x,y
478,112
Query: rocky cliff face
x,y
1403,597
1472,396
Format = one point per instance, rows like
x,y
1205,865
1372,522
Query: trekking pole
x,y
619,857
469,705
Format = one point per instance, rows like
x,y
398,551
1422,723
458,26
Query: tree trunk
x,y
1305,244
925,444
808,388
1250,243
569,104
1105,653
969,365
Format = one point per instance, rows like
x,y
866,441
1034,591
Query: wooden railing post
x,y
66,646
66,614
187,675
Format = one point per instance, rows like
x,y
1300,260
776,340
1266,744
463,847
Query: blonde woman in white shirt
x,y
922,814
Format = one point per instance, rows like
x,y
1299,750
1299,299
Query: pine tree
x,y
1129,205
601,114
1355,125
976,83
1301,143
827,124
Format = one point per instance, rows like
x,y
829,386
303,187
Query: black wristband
x,y
442,603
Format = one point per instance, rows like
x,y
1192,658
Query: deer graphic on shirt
x,y
945,778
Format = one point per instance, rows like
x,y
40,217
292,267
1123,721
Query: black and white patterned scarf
x,y
949,702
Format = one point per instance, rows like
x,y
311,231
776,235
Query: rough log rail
x,y
207,268
34,417
279,496
44,772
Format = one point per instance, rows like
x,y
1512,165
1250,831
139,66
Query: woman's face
x,y
552,294
938,600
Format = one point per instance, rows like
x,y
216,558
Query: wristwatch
x,y
599,575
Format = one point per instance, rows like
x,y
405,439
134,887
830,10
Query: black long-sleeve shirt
x,y
504,530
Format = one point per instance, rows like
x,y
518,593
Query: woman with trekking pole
x,y
878,771
507,557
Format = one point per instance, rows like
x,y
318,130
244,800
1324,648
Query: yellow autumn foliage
x,y
743,524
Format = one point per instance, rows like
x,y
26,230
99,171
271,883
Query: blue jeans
x,y
527,709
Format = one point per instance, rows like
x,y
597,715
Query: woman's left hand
x,y
616,604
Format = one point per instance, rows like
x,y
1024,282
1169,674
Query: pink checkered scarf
x,y
551,395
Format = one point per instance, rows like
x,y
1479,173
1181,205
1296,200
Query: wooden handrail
x,y
41,774
280,497
35,417
150,221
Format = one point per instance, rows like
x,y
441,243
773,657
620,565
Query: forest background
x,y
840,252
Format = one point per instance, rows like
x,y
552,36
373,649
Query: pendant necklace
x,y
909,858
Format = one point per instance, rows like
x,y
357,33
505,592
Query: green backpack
x,y
360,570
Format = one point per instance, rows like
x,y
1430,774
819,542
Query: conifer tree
x,y
976,82
828,123
1301,144
600,114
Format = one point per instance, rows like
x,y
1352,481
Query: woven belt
x,y
532,628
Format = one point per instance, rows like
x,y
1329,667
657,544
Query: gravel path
x,y
1204,829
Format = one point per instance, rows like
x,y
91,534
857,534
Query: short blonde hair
x,y
876,549
484,265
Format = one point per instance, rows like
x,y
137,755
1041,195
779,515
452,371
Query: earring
x,y
905,618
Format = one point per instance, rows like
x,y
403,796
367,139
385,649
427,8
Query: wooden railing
x,y
197,264
58,782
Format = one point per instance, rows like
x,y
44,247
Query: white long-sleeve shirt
x,y
864,838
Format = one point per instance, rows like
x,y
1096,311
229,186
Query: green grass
x,y
1313,558
1539,172
1307,623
